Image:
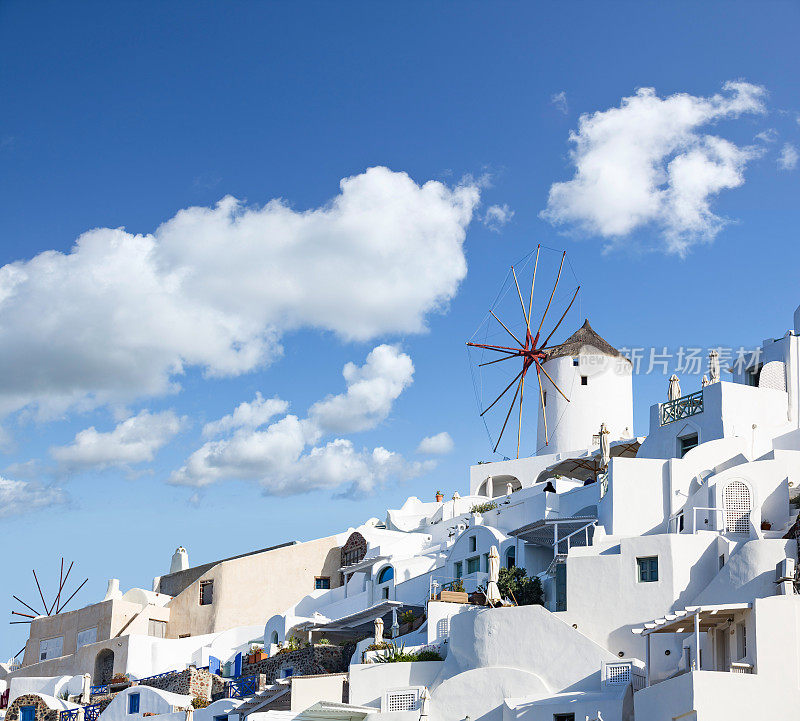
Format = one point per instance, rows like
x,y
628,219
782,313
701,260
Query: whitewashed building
x,y
668,570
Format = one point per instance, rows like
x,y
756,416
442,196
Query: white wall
x,y
606,398
151,700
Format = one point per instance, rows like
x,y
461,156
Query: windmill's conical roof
x,y
584,336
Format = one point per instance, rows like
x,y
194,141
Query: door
x,y
27,713
723,650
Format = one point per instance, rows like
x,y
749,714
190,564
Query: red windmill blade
x,y
532,352
56,606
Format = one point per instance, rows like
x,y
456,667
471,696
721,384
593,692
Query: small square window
x,y
473,544
322,582
576,362
206,593
584,380
648,569
133,703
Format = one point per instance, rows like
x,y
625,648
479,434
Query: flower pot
x,y
439,497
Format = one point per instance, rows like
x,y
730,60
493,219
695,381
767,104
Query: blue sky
x,y
678,212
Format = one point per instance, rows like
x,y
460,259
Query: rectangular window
x,y
133,703
680,522
721,561
86,637
752,375
157,629
563,717
648,569
321,582
206,593
473,565
686,444
459,571
584,380
485,568
741,640
473,544
385,592
51,647
575,362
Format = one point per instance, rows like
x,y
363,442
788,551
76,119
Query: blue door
x,y
27,713
237,665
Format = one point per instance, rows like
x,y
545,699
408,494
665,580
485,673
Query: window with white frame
x,y
647,569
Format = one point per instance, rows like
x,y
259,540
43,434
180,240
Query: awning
x,y
363,564
586,466
683,621
352,620
543,532
332,709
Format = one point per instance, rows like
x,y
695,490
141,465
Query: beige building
x,y
249,589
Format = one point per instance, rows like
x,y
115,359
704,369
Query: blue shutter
x,y
237,665
214,665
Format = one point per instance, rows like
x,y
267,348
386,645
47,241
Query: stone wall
x,y
43,711
195,682
317,659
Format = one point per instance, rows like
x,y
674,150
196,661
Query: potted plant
x,y
439,496
766,525
119,681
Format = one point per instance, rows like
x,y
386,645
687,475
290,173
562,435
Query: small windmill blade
x,y
50,609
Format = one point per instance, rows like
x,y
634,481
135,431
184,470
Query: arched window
x,y
736,500
274,638
387,574
511,557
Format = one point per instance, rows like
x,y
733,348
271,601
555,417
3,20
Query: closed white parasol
x,y
492,591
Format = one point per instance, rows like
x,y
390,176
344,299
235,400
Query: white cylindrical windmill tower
x,y
597,380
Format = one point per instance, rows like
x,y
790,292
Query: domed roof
x,y
584,336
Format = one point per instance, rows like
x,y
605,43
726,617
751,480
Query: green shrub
x,y
198,702
483,507
398,654
515,584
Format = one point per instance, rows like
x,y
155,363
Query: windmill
x,y
49,609
520,355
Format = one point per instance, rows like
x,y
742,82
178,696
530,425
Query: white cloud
x,y
133,441
121,316
287,456
787,160
770,135
371,390
18,497
560,101
647,163
496,216
437,445
247,415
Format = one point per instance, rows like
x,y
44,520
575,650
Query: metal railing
x,y
581,537
682,407
242,686
99,690
157,676
90,713
738,667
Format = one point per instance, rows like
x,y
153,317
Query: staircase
x,y
277,697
